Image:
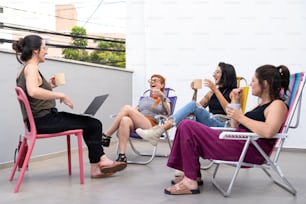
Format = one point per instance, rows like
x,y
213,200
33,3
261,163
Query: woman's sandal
x,y
177,179
181,189
113,168
101,175
106,140
121,158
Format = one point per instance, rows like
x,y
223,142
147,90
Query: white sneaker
x,y
151,135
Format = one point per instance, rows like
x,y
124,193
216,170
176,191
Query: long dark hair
x,y
25,47
277,78
228,78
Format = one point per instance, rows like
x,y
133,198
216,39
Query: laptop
x,y
95,104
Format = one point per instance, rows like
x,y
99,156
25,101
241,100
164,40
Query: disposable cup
x,y
197,83
234,105
60,79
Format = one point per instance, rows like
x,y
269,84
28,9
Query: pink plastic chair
x,y
31,135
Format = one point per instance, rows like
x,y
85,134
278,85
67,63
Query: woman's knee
x,y
191,104
198,105
125,121
185,123
96,124
127,108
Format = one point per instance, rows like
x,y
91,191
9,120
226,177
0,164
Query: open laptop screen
x,y
95,104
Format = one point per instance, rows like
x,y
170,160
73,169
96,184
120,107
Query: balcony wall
x,y
83,82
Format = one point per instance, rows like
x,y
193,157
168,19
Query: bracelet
x,y
164,99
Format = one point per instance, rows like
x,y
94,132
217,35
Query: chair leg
x,y
69,154
133,148
208,165
147,161
238,164
285,185
168,139
24,166
226,192
274,166
148,154
81,165
17,160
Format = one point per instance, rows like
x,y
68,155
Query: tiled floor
x,y
47,182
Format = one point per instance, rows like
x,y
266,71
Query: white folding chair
x,y
294,99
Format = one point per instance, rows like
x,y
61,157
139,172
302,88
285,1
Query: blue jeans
x,y
200,113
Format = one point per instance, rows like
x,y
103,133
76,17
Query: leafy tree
x,y
79,31
77,54
113,58
111,53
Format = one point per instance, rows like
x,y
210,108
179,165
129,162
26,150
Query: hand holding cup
x,y
233,106
155,93
233,110
237,94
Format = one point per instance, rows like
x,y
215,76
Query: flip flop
x,y
114,167
181,189
177,179
102,175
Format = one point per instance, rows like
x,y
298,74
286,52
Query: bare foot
x,y
95,169
105,161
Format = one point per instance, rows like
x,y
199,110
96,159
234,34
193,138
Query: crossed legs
x,y
125,122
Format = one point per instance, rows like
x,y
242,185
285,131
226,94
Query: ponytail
x,y
276,77
25,47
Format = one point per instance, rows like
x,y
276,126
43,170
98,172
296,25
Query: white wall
x,y
183,40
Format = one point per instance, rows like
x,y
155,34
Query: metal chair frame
x,y
271,163
221,117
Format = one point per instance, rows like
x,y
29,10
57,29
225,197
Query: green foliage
x,y
71,53
106,57
79,31
116,59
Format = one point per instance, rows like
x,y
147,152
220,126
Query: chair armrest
x,y
220,117
161,119
157,117
113,115
246,135
224,128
